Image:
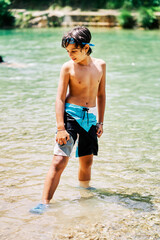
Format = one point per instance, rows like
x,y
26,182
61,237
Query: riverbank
x,y
70,18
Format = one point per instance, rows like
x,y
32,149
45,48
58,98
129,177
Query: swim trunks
x,y
79,122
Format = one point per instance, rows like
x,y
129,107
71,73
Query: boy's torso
x,y
84,82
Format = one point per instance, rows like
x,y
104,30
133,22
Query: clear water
x,y
126,174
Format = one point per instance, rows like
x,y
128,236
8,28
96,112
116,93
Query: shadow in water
x,y
132,201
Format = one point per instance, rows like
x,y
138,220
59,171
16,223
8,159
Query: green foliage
x,y
6,17
147,18
142,3
110,4
126,20
128,5
85,4
23,21
156,9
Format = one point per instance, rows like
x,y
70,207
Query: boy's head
x,y
77,41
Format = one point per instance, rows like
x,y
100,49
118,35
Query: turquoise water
x,y
126,174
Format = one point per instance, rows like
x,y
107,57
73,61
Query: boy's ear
x,y
86,48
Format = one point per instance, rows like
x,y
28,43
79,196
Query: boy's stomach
x,y
81,101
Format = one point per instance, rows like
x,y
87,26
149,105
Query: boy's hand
x,y
62,137
99,130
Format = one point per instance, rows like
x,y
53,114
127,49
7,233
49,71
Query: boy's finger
x,y
60,142
68,137
98,131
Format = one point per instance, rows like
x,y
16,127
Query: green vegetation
x,y
6,17
126,20
85,4
144,8
147,18
23,21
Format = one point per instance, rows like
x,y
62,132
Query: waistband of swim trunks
x,y
77,107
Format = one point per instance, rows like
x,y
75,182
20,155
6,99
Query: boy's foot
x,y
88,188
39,209
91,188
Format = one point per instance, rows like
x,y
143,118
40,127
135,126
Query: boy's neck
x,y
86,61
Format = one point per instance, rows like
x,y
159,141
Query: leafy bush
x,y
126,20
84,4
142,3
128,5
147,18
156,9
6,17
110,4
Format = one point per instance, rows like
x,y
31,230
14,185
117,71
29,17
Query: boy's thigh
x,y
64,149
87,143
71,127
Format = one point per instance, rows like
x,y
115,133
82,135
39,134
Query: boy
x,y
76,112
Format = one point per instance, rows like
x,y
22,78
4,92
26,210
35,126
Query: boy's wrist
x,y
101,123
59,130
61,126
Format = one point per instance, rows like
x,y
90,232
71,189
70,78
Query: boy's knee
x,y
59,163
89,163
86,164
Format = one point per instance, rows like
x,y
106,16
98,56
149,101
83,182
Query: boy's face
x,y
77,54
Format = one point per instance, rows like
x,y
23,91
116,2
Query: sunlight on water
x,y
126,201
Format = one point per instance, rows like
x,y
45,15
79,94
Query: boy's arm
x,y
101,101
62,134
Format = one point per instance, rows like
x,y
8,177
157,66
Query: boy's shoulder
x,y
99,61
66,66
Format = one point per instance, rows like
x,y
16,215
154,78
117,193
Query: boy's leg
x,y
53,176
84,175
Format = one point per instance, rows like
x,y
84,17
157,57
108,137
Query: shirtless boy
x,y
76,112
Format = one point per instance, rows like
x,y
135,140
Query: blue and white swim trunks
x,y
79,122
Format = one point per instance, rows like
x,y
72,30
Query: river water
x,y
126,174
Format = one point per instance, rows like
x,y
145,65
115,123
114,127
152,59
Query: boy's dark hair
x,y
1,59
80,35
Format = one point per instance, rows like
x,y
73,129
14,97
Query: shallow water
x,y
126,174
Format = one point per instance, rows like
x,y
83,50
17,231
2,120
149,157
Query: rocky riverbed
x,y
132,226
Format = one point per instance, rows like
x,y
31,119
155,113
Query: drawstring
x,y
85,110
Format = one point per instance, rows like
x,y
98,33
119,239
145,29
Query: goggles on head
x,y
72,41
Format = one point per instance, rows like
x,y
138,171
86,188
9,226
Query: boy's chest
x,y
85,75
